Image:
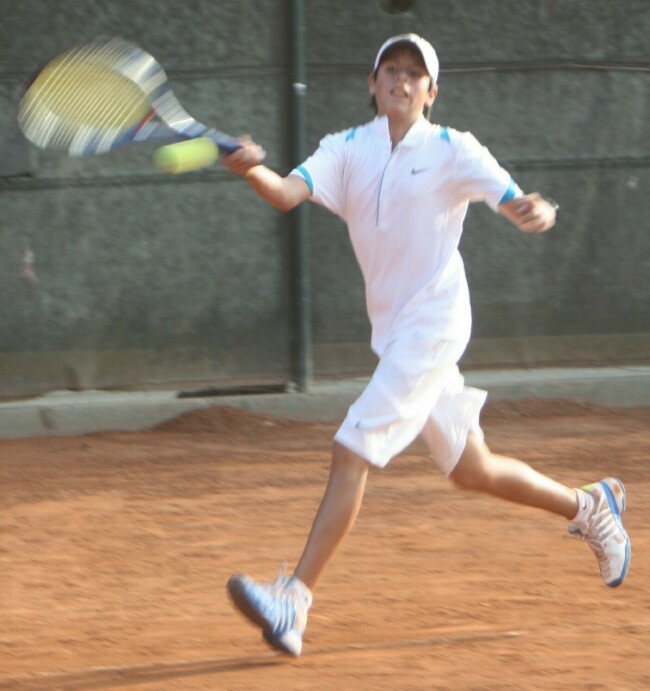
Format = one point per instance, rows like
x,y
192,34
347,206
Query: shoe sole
x,y
616,512
237,593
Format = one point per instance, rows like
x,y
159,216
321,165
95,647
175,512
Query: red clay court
x,y
116,548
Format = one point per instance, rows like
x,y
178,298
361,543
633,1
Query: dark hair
x,y
401,45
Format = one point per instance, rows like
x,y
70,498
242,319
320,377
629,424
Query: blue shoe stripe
x,y
611,501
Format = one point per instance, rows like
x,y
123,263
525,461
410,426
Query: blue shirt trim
x,y
350,134
307,177
444,134
510,193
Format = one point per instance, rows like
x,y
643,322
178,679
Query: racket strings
x,y
80,96
92,94
102,95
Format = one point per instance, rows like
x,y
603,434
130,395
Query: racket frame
x,y
166,121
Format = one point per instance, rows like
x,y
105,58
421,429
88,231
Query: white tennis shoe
x,y
602,529
279,608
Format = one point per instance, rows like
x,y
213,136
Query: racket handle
x,y
227,144
156,131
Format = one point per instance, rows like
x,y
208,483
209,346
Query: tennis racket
x,y
105,94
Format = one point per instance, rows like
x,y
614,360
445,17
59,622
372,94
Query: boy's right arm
x,y
282,193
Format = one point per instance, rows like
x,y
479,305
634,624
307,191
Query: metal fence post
x,y
300,215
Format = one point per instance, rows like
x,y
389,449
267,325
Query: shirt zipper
x,y
381,182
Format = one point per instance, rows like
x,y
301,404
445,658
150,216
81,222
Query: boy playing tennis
x,y
403,186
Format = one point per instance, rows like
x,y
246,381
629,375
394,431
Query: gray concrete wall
x,y
559,92
141,280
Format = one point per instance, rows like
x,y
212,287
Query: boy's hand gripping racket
x,y
109,93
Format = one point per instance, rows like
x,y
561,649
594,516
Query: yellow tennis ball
x,y
183,157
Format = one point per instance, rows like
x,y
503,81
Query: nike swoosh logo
x,y
417,171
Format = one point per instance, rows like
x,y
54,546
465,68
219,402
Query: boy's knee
x,y
472,472
473,480
347,462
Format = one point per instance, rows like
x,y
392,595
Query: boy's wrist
x,y
252,171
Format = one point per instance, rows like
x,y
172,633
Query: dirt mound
x,y
236,426
220,418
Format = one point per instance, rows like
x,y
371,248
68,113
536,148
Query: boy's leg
x,y
336,515
280,609
508,478
595,510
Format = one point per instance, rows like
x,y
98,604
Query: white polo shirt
x,y
405,210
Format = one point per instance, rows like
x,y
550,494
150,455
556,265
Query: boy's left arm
x,y
530,213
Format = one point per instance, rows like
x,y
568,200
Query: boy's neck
x,y
398,128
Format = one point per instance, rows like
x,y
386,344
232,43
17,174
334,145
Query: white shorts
x,y
416,389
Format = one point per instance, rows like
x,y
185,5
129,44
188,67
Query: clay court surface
x,y
115,550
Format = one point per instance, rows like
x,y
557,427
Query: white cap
x,y
426,50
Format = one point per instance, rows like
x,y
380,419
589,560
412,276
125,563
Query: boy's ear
x,y
433,92
371,83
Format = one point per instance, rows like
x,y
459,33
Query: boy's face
x,y
402,86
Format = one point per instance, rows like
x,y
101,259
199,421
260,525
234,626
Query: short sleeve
x,y
478,175
323,172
